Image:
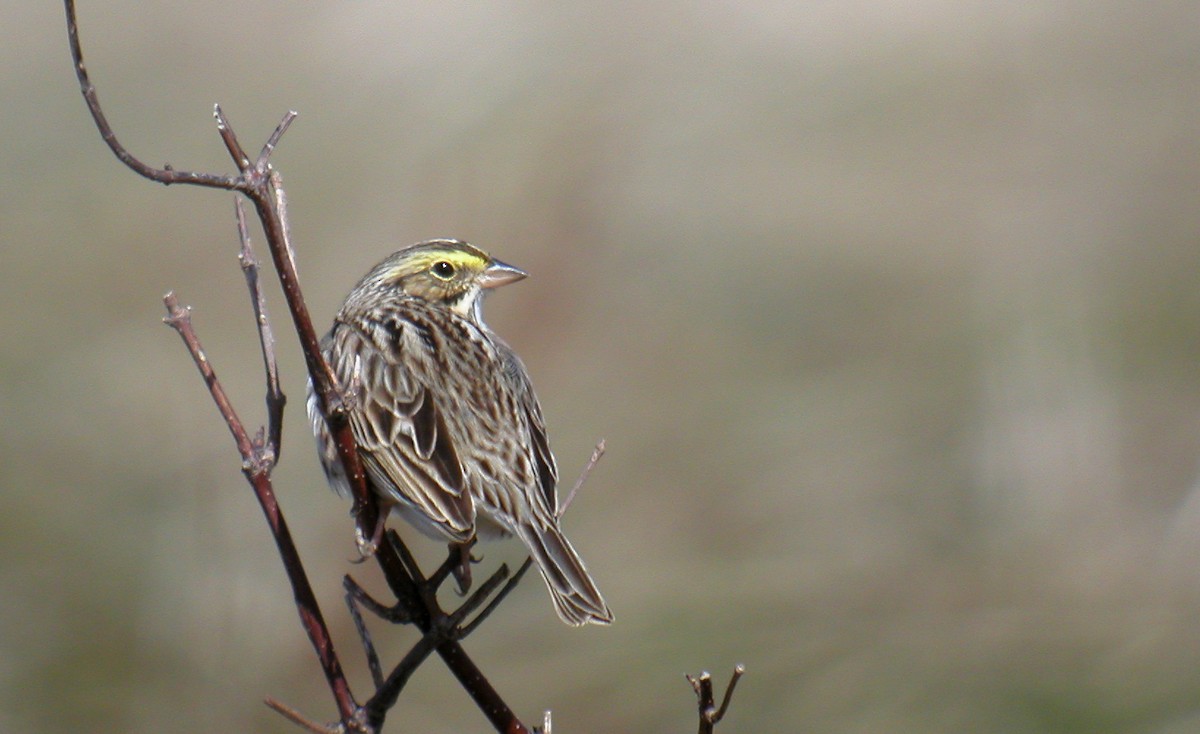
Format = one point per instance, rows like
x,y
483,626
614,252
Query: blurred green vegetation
x,y
888,313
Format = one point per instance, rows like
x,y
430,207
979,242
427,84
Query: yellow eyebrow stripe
x,y
422,261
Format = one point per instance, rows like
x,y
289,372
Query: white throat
x,y
470,306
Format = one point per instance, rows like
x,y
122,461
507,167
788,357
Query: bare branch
x,y
235,149
357,596
179,318
495,602
269,147
395,561
738,670
709,713
300,720
271,203
583,475
413,606
276,400
263,189
166,175
389,691
256,183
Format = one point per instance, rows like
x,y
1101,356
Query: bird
x,y
443,414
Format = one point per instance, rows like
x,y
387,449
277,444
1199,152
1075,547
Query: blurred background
x,y
887,311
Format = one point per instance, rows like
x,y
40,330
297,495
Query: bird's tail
x,y
576,598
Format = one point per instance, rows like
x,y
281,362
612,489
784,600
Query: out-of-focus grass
x,y
888,316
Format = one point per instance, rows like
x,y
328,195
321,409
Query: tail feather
x,y
576,598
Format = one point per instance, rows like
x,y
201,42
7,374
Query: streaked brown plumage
x,y
446,421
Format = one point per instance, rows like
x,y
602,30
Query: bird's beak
x,y
498,274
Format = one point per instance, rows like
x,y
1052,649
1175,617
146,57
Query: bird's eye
x,y
443,270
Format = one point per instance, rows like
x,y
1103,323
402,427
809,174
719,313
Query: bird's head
x,y
450,273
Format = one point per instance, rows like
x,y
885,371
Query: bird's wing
x,y
406,448
533,425
543,460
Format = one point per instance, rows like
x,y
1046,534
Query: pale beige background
x,y
890,313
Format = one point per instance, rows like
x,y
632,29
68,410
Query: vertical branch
x,y
276,400
269,201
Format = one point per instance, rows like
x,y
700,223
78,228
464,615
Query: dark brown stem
x,y
257,468
395,561
179,318
710,714
357,596
495,602
229,138
269,203
389,690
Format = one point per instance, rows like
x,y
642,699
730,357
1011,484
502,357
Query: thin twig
x,y
389,691
474,601
299,719
269,147
364,636
495,602
179,318
738,670
357,596
583,475
232,145
276,400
